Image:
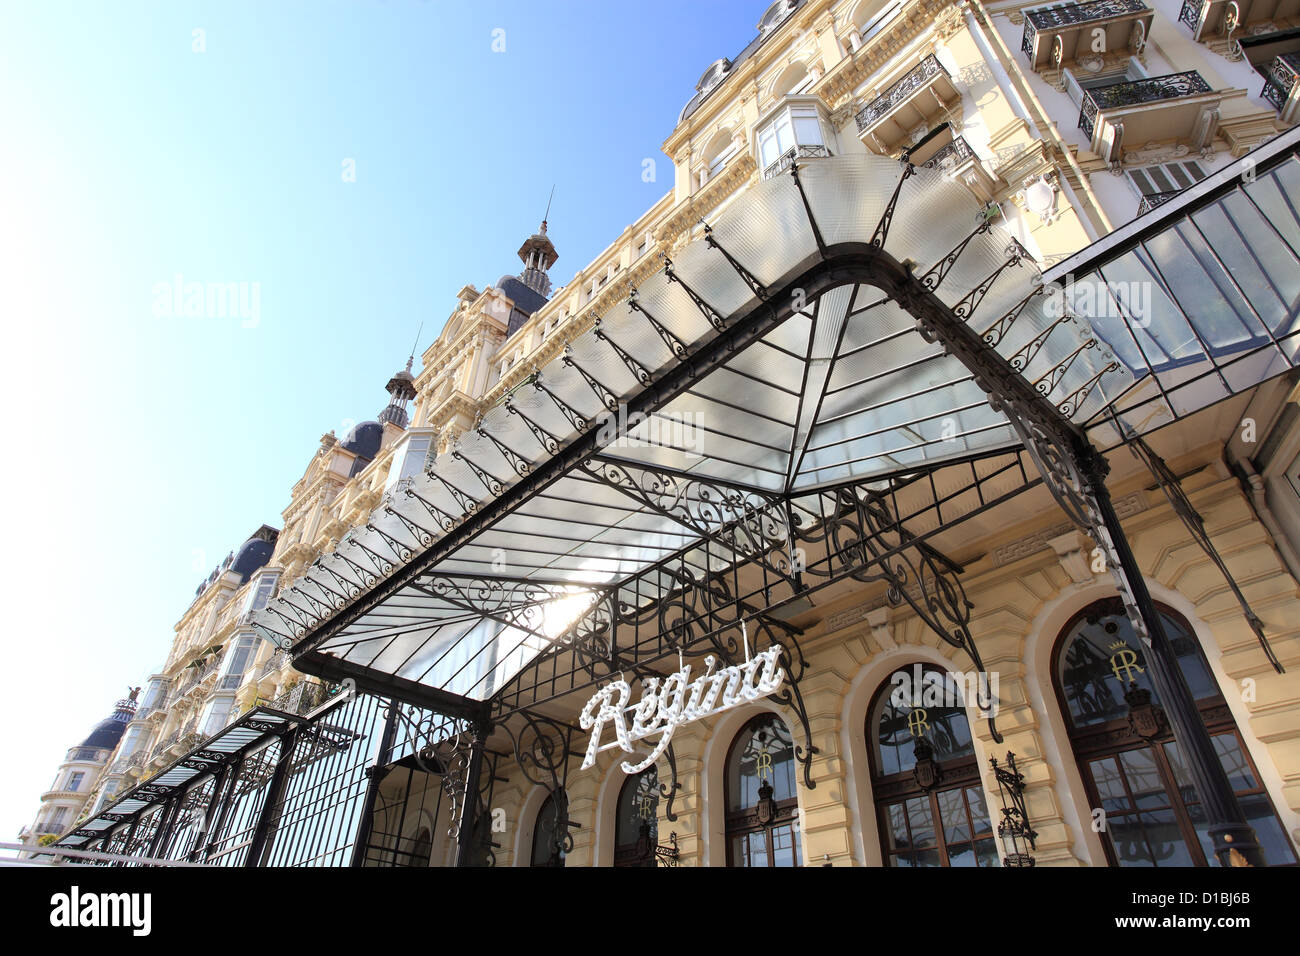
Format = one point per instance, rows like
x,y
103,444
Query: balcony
x,y
303,698
92,754
1177,107
1214,19
1280,83
1058,36
274,664
1152,200
957,160
924,95
786,160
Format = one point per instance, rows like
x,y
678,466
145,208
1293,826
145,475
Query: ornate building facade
x,y
1073,129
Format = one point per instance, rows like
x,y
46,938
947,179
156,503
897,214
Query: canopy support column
x,y
271,807
374,774
1234,839
467,833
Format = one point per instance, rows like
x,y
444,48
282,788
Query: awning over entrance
x,y
226,748
700,458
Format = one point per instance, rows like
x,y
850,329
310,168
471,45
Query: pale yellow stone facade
x,y
836,58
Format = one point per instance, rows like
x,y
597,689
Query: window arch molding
x,y
853,742
789,78
1071,794
713,835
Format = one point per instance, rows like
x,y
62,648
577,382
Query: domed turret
x,y
109,730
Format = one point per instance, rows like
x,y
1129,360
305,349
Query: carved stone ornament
x,y
1155,153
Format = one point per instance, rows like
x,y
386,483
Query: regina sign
x,y
665,705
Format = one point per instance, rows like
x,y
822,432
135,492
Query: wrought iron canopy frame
x,y
1039,379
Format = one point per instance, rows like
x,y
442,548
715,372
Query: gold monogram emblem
x,y
1124,665
917,723
763,764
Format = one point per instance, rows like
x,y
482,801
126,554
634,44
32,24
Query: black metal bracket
x,y
1191,518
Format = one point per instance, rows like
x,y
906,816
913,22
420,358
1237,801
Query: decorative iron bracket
x,y
1195,524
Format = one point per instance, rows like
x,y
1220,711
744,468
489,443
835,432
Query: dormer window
x,y
775,15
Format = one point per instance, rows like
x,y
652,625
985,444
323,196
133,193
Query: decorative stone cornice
x,y
688,213
858,67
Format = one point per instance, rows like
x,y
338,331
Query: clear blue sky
x,y
142,448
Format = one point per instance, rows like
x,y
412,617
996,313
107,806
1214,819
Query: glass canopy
x,y
761,368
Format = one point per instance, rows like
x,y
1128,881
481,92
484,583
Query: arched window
x,y
422,848
636,830
1152,813
929,802
547,841
762,804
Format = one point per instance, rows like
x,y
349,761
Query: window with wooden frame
x,y
1139,788
761,799
930,806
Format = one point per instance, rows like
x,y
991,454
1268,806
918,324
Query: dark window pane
x,y
1128,840
1166,839
1234,762
638,805
986,851
545,850
927,858
918,701
962,854
764,754
952,814
979,811
784,847
740,851
1110,784
922,820
897,826
1144,778
1102,657
1268,830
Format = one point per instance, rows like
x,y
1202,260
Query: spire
x,y
538,255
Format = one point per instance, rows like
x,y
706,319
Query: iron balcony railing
x,y
954,154
1191,12
900,92
84,753
1133,93
303,697
273,664
1152,200
1281,78
1070,14
784,162
130,762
